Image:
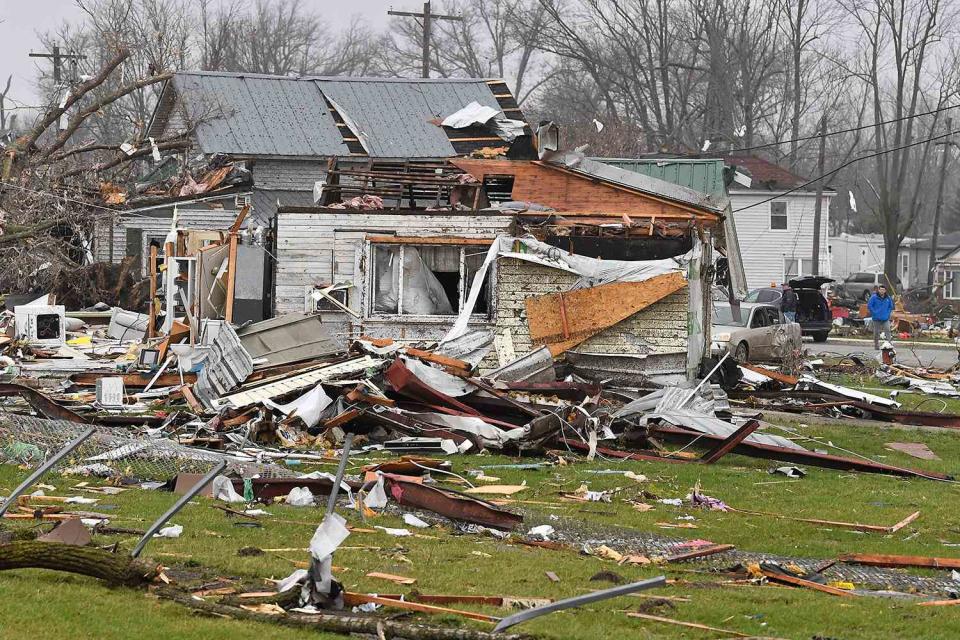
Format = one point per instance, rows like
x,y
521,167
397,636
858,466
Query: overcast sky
x,y
22,20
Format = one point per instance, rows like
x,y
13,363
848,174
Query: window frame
x,y
950,287
800,260
469,246
785,215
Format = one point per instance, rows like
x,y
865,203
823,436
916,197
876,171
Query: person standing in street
x,y
880,307
788,304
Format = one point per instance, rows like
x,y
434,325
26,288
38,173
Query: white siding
x,y
764,249
852,253
325,248
155,222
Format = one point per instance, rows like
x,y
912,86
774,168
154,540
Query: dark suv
x,y
813,312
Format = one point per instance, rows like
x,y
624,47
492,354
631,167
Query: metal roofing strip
x,y
638,181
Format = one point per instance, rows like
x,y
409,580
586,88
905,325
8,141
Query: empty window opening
x,y
499,188
426,279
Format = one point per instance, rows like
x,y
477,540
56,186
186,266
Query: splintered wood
x,y
564,320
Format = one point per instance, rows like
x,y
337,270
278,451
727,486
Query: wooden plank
x,y
445,361
775,375
882,560
429,240
702,552
231,277
807,584
152,322
727,445
351,599
856,526
691,625
392,578
565,320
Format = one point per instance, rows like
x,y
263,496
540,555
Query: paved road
x,y
909,354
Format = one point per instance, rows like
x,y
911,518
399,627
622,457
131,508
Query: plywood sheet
x,y
567,319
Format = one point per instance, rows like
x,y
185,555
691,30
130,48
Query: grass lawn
x,y
443,561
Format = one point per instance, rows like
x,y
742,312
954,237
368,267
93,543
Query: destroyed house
x,y
563,256
282,131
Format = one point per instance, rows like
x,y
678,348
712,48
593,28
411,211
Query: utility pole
x,y
428,17
819,203
932,266
58,59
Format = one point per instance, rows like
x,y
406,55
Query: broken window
x,y
778,216
426,279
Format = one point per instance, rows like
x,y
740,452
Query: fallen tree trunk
x,y
336,623
115,569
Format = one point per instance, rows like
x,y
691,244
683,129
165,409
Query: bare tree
x,y
281,37
493,38
904,71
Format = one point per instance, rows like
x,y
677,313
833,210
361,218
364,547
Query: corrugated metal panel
x,y
275,116
395,116
705,175
257,115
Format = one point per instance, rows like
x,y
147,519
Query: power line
x,y
843,166
850,130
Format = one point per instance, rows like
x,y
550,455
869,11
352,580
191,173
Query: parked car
x,y
761,332
813,312
860,285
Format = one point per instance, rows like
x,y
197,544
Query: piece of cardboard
x,y
70,532
186,481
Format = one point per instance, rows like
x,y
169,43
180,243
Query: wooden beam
x,y
152,322
807,584
881,560
681,623
727,445
231,277
702,552
353,599
430,240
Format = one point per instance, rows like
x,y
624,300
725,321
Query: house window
x,y
951,284
904,265
778,216
795,267
426,280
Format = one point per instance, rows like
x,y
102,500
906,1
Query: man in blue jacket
x,y
881,307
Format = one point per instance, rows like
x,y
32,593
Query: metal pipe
x,y
576,601
707,377
46,466
332,500
179,504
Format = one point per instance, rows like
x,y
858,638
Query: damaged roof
x,y
260,115
641,182
700,174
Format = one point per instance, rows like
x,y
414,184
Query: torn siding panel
x,y
323,248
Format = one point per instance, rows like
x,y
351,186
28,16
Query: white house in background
x,y
864,253
775,228
851,253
